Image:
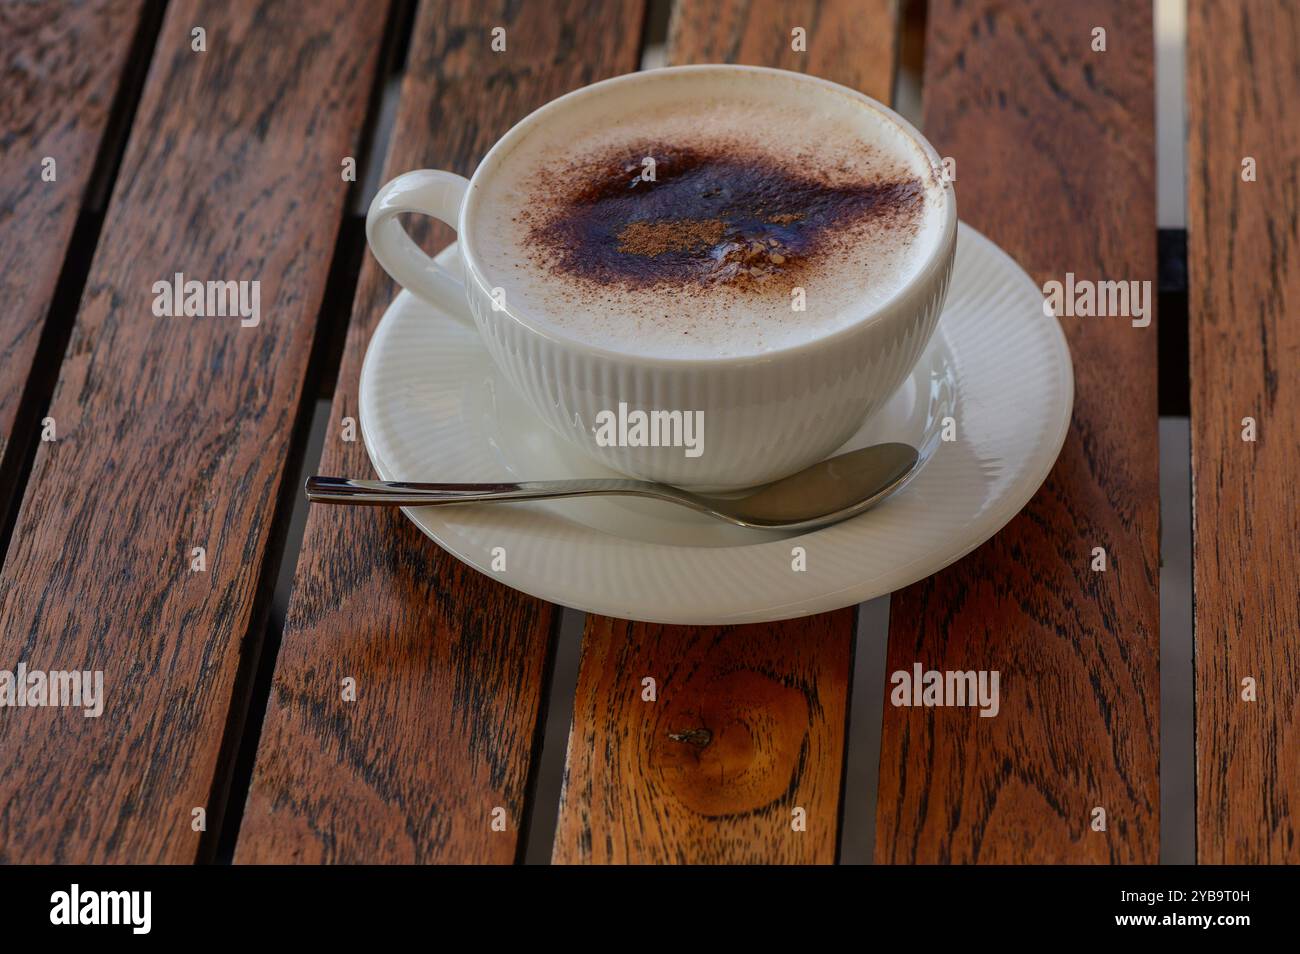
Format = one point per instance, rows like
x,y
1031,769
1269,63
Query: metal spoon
x,y
824,493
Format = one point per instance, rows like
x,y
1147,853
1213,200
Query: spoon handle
x,y
401,493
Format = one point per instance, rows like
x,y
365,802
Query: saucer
x,y
433,407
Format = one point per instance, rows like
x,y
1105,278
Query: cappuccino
x,y
764,251
705,220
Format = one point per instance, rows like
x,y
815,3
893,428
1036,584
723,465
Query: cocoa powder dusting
x,y
710,215
670,235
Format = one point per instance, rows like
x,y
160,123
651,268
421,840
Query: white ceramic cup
x,y
766,415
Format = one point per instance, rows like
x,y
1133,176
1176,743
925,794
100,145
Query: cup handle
x,y
429,192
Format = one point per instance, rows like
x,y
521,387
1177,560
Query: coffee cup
x,y
667,342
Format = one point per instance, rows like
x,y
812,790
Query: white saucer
x,y
432,407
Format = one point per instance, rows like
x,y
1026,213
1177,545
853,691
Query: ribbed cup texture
x,y
763,418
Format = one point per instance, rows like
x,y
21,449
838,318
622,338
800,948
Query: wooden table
x,y
129,440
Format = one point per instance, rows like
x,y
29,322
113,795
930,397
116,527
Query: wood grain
x,y
60,68
1055,162
746,728
1244,264
853,42
173,431
750,720
451,665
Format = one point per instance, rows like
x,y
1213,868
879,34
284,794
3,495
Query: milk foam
x,y
833,137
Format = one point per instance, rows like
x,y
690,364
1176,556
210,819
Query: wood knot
x,y
750,755
697,737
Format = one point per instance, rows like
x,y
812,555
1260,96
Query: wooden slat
x,y
56,104
750,720
173,431
853,42
1244,265
449,664
1055,161
748,726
